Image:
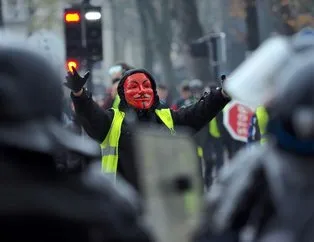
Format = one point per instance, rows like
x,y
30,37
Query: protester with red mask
x,y
137,91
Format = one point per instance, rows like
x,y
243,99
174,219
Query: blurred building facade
x,y
274,17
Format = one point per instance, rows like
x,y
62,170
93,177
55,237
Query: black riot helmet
x,y
31,104
292,109
38,204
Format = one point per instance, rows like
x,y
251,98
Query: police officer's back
x,y
37,203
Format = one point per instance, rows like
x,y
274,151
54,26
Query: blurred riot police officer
x,y
38,203
269,189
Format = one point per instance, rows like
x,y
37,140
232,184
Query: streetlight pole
x,y
217,46
253,38
1,16
88,61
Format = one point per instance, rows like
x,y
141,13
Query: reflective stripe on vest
x,y
109,150
263,139
200,151
110,146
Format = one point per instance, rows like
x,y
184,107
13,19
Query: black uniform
x,y
37,203
97,122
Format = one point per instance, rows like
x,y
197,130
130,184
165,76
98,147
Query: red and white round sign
x,y
237,117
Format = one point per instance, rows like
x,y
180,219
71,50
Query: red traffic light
x,y
72,17
72,63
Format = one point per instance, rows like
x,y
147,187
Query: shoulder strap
x,y
115,128
166,117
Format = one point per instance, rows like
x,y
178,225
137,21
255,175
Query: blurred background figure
x,y
185,96
72,162
258,124
213,146
37,200
115,72
197,89
112,99
265,181
162,91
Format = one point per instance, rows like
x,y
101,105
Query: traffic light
x,y
83,35
72,63
73,33
93,31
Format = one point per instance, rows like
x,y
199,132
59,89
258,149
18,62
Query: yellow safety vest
x,y
116,102
213,128
262,119
110,146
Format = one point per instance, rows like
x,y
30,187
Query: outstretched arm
x,y
198,115
94,119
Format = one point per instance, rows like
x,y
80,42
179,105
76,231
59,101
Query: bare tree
x,y
44,14
146,37
158,18
292,15
114,26
189,29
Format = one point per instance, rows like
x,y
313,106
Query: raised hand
x,y
74,81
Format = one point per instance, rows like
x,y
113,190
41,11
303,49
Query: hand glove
x,y
74,81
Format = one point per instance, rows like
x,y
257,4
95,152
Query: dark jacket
x,y
68,161
80,207
97,122
265,188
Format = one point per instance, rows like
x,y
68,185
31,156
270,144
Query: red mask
x,y
138,91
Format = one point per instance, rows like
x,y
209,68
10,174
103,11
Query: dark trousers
x,y
214,157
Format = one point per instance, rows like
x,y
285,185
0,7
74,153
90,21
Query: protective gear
x,y
31,105
38,203
109,147
263,183
258,190
74,81
138,91
253,81
293,122
121,89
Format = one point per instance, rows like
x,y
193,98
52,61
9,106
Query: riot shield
x,y
171,182
253,81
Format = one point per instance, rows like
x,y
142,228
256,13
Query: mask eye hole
x,y
147,84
